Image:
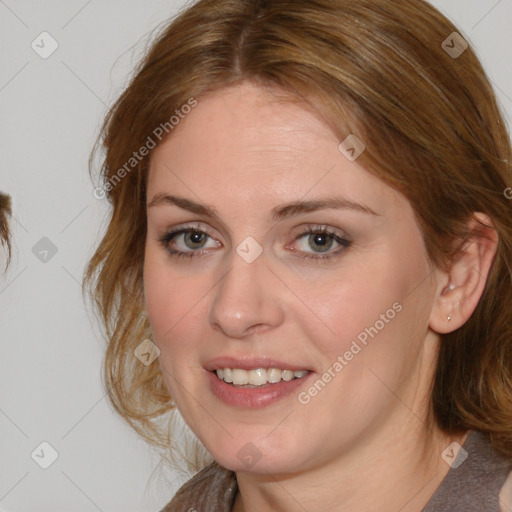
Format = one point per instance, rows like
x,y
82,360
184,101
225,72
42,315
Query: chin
x,y
246,456
263,466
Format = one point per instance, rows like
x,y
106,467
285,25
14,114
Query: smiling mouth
x,y
259,377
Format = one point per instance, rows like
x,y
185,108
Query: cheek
x,y
372,313
378,327
169,298
159,298
176,305
172,305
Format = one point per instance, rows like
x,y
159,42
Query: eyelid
x,y
298,232
194,226
180,230
304,228
343,240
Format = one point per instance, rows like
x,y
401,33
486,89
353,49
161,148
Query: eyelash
x,y
167,238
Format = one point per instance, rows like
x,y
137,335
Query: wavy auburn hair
x,y
5,233
374,68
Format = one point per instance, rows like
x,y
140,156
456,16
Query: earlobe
x,y
463,285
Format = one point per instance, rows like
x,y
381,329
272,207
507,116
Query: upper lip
x,y
251,363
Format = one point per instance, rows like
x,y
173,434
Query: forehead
x,y
248,118
258,146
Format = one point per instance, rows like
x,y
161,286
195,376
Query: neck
x,y
395,470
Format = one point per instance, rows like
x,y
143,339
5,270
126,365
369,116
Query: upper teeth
x,y
257,377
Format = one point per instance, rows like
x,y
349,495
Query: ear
x,y
460,289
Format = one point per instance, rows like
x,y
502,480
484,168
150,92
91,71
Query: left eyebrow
x,y
334,203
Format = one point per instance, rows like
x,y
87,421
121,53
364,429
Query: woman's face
x,y
245,286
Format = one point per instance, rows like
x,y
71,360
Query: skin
x,y
364,442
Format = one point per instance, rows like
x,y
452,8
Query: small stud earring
x,y
449,288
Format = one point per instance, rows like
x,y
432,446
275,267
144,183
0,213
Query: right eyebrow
x,y
186,204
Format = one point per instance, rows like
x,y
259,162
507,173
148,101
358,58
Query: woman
x,y
310,231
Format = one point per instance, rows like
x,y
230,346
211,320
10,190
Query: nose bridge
x,y
244,297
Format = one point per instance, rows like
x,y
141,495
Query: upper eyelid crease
x,y
278,213
341,240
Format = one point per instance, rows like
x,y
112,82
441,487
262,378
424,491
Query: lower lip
x,y
253,398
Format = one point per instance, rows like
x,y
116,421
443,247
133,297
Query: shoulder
x,y
476,479
214,489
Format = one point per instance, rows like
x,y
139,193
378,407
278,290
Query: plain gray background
x,y
51,350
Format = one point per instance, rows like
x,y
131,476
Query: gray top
x,y
473,484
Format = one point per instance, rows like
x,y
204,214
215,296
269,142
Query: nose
x,y
246,300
